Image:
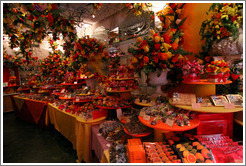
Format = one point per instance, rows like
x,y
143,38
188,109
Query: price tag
x,y
144,101
196,105
65,96
229,106
69,96
146,117
119,113
169,122
63,90
54,104
64,109
99,134
75,83
108,145
142,113
6,83
77,99
137,100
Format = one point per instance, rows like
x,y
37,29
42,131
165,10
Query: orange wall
x,y
196,14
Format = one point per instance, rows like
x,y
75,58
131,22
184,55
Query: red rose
x,y
144,43
50,18
146,59
166,38
175,59
155,59
157,46
172,5
30,17
54,6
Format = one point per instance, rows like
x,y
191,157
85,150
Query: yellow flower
x,y
218,37
166,46
152,32
218,32
139,40
169,54
217,26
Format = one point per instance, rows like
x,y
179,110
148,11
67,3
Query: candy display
x,y
159,152
111,102
136,127
163,112
117,153
108,126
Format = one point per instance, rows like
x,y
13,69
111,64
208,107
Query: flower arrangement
x,y
224,22
192,67
192,70
88,47
217,66
153,53
53,66
97,6
10,60
139,8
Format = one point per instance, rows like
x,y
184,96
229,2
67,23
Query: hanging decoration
x,y
29,23
223,24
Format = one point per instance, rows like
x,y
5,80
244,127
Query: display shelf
x,y
123,79
136,135
70,84
144,105
205,82
214,109
81,101
239,122
112,108
85,94
162,126
119,91
65,98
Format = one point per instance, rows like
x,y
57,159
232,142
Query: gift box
x,y
191,78
218,77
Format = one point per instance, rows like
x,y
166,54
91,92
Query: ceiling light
x,y
138,29
93,16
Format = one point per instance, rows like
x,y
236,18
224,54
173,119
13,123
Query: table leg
x,y
158,134
205,90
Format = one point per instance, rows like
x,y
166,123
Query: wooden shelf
x,y
208,109
206,82
163,126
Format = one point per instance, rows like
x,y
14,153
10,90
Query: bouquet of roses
x,y
192,70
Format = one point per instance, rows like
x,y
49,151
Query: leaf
x,y
182,22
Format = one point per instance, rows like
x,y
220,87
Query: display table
x,y
7,102
75,129
32,111
99,144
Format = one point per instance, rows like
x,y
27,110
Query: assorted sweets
x,y
111,102
121,85
160,152
122,72
136,127
160,113
149,100
117,153
83,73
108,126
189,149
39,97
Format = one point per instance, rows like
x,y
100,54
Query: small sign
x,y
65,96
142,113
63,90
169,122
6,83
54,104
64,109
75,82
69,96
229,106
108,145
99,134
146,117
196,105
77,99
137,100
119,113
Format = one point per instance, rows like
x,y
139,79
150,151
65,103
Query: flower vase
x,y
158,81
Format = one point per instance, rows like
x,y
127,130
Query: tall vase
x,y
158,81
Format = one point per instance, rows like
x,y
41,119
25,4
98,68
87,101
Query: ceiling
x,y
82,12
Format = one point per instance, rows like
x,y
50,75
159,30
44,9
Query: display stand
x,y
136,135
161,127
143,105
209,115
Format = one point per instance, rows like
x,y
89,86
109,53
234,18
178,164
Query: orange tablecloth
x,y
75,129
32,111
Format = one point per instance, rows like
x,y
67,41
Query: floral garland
x,y
38,19
224,22
139,8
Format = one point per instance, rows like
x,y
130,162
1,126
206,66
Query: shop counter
x,y
32,111
75,129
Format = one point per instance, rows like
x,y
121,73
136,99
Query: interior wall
x,y
196,14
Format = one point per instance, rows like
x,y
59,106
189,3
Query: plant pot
x,y
158,81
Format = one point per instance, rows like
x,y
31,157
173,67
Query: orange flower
x,y
146,59
163,56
